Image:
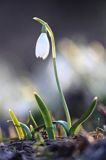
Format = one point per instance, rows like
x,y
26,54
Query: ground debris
x,y
70,148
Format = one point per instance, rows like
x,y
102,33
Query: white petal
x,y
42,46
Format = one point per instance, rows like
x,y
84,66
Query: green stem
x,y
56,76
62,95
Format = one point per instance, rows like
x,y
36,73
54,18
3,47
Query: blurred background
x,y
80,33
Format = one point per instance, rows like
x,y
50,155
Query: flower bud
x,y
42,46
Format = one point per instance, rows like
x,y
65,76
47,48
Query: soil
x,y
73,148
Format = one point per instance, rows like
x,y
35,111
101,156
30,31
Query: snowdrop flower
x,y
42,46
42,50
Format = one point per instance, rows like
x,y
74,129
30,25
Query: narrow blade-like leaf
x,y
46,116
26,130
16,124
85,116
64,124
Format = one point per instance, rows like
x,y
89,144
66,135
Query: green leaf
x,y
27,130
64,124
46,116
84,117
32,118
17,125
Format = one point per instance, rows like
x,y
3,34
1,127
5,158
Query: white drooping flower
x,y
42,46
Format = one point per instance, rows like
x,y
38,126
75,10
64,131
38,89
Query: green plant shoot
x,y
32,118
17,125
84,117
26,130
46,116
64,124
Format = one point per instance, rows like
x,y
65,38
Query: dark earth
x,y
73,148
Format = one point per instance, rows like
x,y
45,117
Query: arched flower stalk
x,y
49,30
